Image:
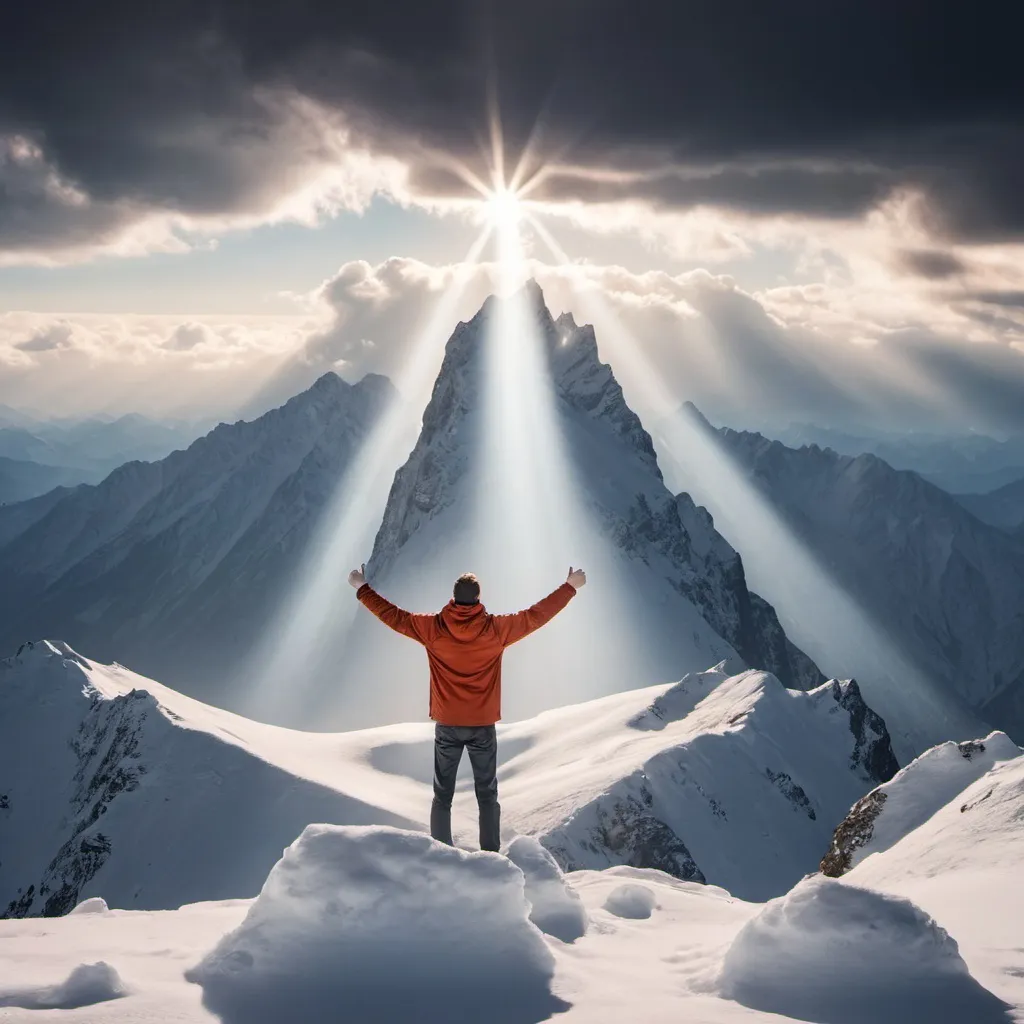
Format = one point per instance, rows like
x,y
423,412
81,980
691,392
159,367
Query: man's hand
x,y
576,578
357,577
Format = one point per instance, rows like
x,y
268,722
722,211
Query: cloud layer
x,y
774,357
134,125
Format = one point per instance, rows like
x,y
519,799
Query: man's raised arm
x,y
514,627
417,627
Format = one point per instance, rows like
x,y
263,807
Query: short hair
x,y
467,589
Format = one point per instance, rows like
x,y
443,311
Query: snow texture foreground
x,y
85,985
631,901
555,908
376,924
837,954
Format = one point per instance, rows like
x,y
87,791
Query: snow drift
x,y
86,985
554,908
380,925
837,954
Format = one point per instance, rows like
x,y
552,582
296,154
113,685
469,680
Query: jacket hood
x,y
464,621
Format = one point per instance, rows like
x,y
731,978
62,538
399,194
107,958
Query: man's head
x,y
467,589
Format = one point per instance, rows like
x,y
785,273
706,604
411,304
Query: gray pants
x,y
482,743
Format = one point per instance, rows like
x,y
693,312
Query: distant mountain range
x,y
21,480
37,455
175,566
964,464
1003,507
944,587
178,568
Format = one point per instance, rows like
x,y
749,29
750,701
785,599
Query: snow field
x,y
382,925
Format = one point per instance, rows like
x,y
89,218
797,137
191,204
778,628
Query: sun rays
x,y
530,512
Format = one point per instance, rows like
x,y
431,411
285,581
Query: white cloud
x,y
84,363
47,339
825,351
800,353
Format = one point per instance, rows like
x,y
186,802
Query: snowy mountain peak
x,y
682,586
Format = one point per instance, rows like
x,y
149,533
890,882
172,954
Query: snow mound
x,y
630,900
884,816
556,909
376,924
836,954
95,905
85,985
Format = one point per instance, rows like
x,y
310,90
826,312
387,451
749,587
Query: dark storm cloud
x,y
1012,297
793,107
933,264
823,192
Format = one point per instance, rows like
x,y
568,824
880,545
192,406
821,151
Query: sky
x,y
797,212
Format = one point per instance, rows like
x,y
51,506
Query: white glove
x,y
357,577
577,578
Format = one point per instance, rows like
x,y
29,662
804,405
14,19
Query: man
x,y
464,645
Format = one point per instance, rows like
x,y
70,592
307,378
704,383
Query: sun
x,y
503,208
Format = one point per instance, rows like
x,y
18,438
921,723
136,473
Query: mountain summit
x,y
668,594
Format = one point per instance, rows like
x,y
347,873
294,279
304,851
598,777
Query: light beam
x,y
320,609
816,612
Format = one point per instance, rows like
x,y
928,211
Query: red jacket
x,y
464,646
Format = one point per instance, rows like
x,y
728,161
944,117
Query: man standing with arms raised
x,y
464,645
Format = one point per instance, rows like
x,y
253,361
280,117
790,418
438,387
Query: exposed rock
x,y
792,792
912,796
872,753
107,749
854,832
626,829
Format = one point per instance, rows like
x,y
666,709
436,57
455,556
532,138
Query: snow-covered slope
x,y
978,830
678,588
350,919
173,567
736,781
113,785
947,589
884,816
963,863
